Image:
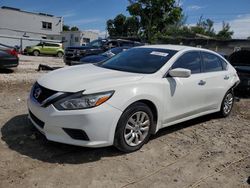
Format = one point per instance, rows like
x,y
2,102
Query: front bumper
x,y
98,123
9,62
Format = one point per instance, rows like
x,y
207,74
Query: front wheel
x,y
59,54
134,127
36,53
227,104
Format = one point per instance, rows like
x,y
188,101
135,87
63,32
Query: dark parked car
x,y
241,62
95,47
101,57
8,56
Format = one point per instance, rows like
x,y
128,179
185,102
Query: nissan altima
x,y
124,100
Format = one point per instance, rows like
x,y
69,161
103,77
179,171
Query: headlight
x,y
80,101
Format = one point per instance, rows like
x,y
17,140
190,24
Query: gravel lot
x,y
205,152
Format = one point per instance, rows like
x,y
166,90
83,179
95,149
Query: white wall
x,y
22,42
19,22
70,41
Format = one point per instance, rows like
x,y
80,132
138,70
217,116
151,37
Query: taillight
x,y
12,52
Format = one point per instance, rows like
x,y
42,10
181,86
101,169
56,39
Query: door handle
x,y
226,77
202,82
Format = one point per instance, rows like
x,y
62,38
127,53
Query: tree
x,y
204,27
120,24
225,33
123,26
154,15
111,28
132,26
66,28
74,28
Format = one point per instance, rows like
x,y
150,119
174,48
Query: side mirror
x,y
180,72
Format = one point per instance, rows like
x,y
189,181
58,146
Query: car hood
x,y
84,77
93,59
79,48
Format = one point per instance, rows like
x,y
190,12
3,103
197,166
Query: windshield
x,y
114,51
95,43
139,60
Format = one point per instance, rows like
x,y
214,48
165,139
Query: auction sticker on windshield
x,y
159,53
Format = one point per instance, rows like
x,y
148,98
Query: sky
x,y
93,14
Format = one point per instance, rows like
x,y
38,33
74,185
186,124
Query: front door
x,y
186,95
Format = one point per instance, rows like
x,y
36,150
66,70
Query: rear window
x,y
212,63
139,60
51,45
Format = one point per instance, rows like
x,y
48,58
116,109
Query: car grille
x,y
70,53
40,93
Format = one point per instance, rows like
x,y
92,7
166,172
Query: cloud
x,y
239,25
102,34
85,21
180,2
69,14
194,7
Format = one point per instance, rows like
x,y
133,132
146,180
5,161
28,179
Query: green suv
x,y
45,48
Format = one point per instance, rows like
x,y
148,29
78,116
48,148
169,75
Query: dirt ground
x,y
205,152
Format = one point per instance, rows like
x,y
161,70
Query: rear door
x,y
44,49
50,48
217,79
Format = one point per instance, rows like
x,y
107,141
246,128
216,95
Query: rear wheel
x,y
227,104
134,127
59,54
36,53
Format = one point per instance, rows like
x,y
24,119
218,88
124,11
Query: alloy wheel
x,y
228,103
137,128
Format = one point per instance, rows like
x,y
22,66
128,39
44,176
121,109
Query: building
x,y
75,38
22,28
16,22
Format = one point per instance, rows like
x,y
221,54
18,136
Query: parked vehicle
x,y
45,48
123,100
95,47
8,57
241,62
101,57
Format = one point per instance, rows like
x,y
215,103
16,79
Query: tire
x,y
36,53
59,54
132,133
227,104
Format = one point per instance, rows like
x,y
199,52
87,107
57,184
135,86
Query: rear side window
x,y
212,63
191,61
52,45
112,44
127,44
224,64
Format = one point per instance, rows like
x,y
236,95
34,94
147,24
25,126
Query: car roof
x,y
174,47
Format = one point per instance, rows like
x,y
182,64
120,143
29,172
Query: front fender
x,y
126,96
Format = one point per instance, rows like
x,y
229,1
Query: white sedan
x,y
125,99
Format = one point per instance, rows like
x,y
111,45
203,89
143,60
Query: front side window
x,y
212,63
189,60
139,60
